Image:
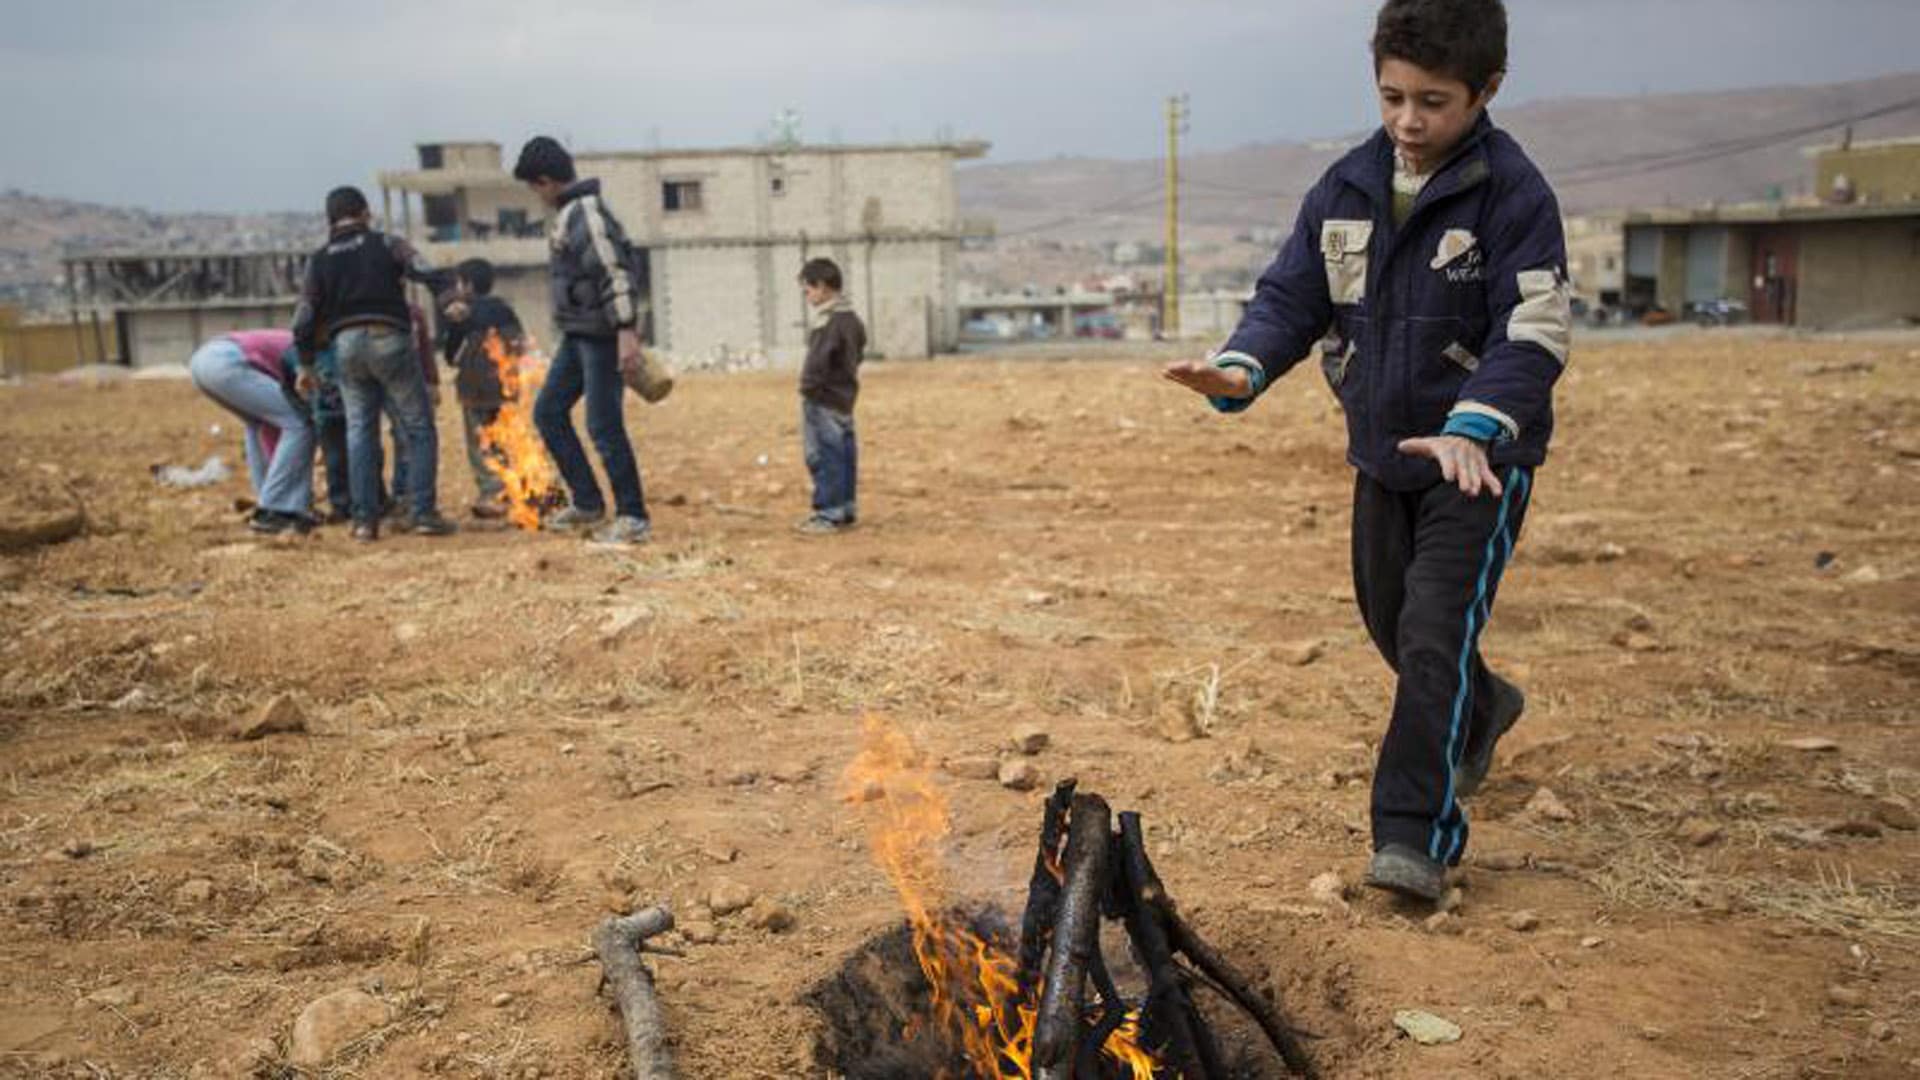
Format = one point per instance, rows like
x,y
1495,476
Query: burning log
x,y
619,943
1075,936
1043,891
1168,1000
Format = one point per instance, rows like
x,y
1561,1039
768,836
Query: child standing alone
x,y
829,385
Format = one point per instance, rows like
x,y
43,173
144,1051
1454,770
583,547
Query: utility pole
x,y
1170,289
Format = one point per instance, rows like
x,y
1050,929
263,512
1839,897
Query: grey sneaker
x,y
820,526
624,532
1400,869
573,518
1508,704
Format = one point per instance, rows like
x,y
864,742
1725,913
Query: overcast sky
x,y
264,104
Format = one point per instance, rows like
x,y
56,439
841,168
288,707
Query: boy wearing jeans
x,y
829,384
1429,266
596,308
355,296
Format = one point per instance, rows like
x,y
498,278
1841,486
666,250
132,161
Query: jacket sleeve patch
x,y
1544,316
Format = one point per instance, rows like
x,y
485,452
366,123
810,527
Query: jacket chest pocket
x,y
1344,246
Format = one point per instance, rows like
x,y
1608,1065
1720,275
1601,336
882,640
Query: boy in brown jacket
x,y
829,383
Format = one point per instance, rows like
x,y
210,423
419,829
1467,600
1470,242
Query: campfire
x,y
996,1007
515,452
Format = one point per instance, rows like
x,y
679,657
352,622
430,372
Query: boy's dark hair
x,y
345,202
478,274
543,158
1462,39
821,272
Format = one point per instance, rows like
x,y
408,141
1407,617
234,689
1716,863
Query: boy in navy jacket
x,y
1429,265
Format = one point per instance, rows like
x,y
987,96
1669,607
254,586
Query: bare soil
x,y
509,736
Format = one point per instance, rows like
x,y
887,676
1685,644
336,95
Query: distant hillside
x,y
37,231
1677,149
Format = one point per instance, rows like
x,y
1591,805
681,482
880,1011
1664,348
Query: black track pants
x,y
1426,565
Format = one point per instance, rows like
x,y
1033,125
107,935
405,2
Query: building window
x,y
680,195
778,185
1612,264
513,222
433,156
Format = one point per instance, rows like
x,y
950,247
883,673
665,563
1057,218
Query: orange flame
x,y
517,455
977,999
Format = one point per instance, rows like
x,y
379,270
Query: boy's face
x,y
548,189
817,292
1426,113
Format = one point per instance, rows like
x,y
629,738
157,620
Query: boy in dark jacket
x,y
596,308
475,315
355,299
1429,264
829,384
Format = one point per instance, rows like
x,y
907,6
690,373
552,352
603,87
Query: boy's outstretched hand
x,y
1204,378
1462,461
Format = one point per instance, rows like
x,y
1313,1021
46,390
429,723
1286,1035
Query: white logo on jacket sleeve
x,y
1344,244
1544,315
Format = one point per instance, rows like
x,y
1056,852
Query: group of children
x,y
358,350
1427,266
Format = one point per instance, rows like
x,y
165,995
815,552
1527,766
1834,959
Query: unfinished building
x,y
726,232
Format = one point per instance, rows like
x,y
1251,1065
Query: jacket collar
x,y
1369,166
579,189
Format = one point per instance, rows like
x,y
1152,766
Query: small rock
x,y
1301,654
568,749
1699,832
721,853
281,716
1441,922
501,1000
1501,861
113,997
771,916
972,768
1179,725
1329,890
193,893
1019,776
728,896
1634,641
1866,575
1523,921
741,776
1847,997
1609,552
1546,805
792,772
77,848
1653,1034
1426,1028
1895,815
1532,999
249,1057
1451,901
1880,1031
619,621
1866,829
407,633
1030,739
699,933
1592,942
1812,744
329,1024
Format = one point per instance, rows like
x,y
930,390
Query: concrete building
x,y
1852,260
1596,258
726,232
1874,173
160,307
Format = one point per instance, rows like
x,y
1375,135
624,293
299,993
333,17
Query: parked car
x,y
1100,324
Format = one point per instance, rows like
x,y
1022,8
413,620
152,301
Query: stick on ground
x,y
619,943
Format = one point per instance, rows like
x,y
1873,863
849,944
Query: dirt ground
x,y
1715,608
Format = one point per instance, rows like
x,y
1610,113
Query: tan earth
x,y
1715,608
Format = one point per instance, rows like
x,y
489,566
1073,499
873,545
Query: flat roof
x,y
135,255
962,148
1770,213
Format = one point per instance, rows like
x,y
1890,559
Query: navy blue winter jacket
x,y
1457,318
